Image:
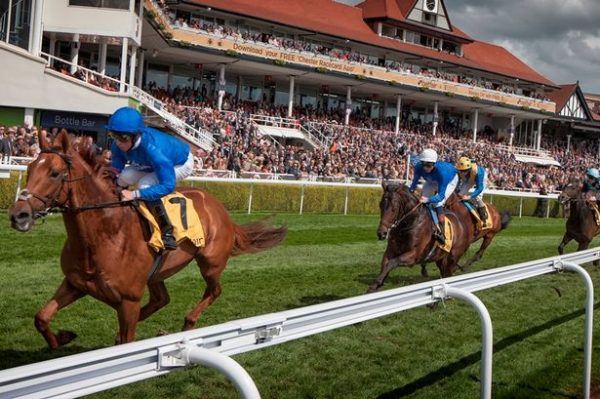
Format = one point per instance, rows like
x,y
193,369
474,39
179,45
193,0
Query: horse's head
x,y
570,192
392,206
47,178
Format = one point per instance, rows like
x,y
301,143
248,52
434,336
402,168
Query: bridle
x,y
399,220
51,203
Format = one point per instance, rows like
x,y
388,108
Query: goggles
x,y
123,138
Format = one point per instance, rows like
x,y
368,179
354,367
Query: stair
x,y
199,137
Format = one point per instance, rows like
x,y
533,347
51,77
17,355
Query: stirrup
x,y
169,242
439,236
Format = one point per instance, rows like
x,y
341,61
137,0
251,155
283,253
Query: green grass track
x,y
421,353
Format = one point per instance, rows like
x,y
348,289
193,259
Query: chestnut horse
x,y
106,254
581,225
408,227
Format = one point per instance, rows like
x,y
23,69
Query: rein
x,y
26,195
397,222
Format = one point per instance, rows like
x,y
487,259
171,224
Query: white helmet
x,y
428,155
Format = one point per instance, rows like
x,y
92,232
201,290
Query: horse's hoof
x,y
64,337
161,333
372,289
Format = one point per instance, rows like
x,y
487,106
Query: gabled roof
x,y
562,95
380,9
398,10
406,6
343,21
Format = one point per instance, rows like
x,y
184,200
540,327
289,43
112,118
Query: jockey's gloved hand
x,y
127,195
423,200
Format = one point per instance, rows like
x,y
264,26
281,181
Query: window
x,y
429,19
117,4
388,30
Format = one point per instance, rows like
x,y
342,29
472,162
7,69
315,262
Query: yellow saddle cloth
x,y
449,234
596,212
482,224
183,217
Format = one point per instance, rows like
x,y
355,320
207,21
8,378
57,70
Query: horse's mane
x,y
107,175
409,200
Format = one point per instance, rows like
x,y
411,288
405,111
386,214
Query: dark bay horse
x,y
106,255
500,222
581,225
409,230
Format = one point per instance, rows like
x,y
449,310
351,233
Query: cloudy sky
x,y
558,38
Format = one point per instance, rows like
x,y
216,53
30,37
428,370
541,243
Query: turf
x,y
538,323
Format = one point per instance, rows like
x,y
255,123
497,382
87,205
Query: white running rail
x,y
102,369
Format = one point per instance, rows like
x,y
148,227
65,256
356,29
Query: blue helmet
x,y
593,172
126,120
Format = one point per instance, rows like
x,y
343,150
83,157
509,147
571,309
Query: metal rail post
x,y
233,371
487,334
250,198
589,321
302,199
521,208
346,202
18,186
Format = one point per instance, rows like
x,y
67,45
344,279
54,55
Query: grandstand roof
x,y
340,20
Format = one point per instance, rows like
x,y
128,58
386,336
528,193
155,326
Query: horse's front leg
x,y
566,239
387,264
64,296
129,314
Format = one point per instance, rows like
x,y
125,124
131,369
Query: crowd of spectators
x,y
353,152
93,78
367,149
185,21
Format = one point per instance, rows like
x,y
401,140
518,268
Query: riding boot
x,y
166,228
439,232
482,214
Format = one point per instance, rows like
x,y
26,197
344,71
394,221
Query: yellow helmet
x,y
464,163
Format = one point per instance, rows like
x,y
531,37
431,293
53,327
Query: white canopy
x,y
544,161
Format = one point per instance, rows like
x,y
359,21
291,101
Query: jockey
x,y
440,182
591,184
472,175
156,162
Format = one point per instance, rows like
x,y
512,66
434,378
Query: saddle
x,y
595,211
481,224
183,217
449,233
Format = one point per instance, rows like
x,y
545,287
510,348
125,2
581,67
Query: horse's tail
x,y
257,236
505,220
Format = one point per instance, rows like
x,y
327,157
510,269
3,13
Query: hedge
x,y
317,199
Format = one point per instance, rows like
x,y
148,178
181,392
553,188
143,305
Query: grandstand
x,y
283,88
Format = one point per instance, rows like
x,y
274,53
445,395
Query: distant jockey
x,y
591,184
156,162
440,182
471,175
